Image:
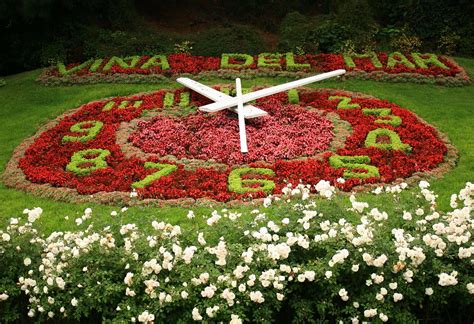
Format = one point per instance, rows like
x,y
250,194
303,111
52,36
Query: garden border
x,y
203,70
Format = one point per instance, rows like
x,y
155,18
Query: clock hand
x,y
231,102
240,111
202,89
249,110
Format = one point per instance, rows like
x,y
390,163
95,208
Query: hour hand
x,y
217,96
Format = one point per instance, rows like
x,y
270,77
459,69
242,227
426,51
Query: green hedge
x,y
233,39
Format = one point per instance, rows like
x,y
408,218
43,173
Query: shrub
x,y
356,17
286,260
185,47
106,43
406,43
53,53
233,39
448,42
466,45
385,36
320,33
352,22
329,36
293,30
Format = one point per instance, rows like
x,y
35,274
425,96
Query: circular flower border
x,y
80,156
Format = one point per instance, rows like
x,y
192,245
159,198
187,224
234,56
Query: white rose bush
x,y
296,258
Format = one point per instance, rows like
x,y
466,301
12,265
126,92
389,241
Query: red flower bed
x,y
288,132
285,144
381,66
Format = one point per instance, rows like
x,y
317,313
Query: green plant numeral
x,y
225,90
354,162
236,183
89,128
231,91
345,102
293,97
394,144
124,104
163,170
87,161
168,100
383,112
184,99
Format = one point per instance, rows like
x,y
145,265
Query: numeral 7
x,y
163,170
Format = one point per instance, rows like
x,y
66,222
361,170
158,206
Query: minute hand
x,y
231,102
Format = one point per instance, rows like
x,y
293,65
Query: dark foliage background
x,y
36,33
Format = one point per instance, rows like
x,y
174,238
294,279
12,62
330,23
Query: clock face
x,y
160,146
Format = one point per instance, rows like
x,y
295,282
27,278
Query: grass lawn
x,y
26,105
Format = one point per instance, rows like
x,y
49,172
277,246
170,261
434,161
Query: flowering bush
x,y
379,66
298,263
167,150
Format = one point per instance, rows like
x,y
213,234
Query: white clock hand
x,y
231,102
249,110
240,111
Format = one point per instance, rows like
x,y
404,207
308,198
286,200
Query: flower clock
x,y
160,146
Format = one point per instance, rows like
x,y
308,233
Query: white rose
x,y
447,279
128,280
235,319
196,315
397,297
423,184
370,312
257,297
146,317
470,288
60,282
